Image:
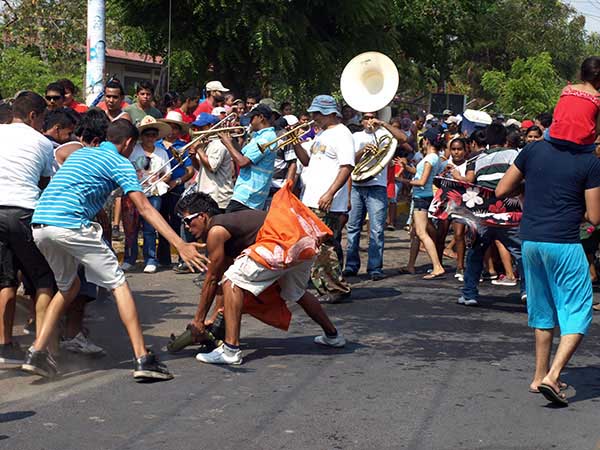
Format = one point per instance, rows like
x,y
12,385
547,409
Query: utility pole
x,y
96,50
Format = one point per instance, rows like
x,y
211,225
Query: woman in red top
x,y
576,120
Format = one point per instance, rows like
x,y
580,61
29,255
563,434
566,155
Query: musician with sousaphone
x,y
375,146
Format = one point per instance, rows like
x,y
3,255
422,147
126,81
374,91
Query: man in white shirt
x,y
328,167
26,158
369,197
214,164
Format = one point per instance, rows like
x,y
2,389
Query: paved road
x,y
420,372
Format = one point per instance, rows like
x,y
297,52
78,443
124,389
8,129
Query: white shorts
x,y
66,249
247,274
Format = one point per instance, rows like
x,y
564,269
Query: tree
x,y
532,86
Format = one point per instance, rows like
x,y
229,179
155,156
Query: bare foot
x,y
533,387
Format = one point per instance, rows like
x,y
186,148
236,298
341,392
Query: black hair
x,y
284,105
545,119
590,70
27,102
514,139
56,87
63,117
190,94
144,85
67,85
435,137
198,202
114,85
170,99
6,114
462,141
534,128
479,137
514,128
254,96
120,130
280,123
496,134
93,124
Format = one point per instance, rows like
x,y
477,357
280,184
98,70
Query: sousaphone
x,y
369,83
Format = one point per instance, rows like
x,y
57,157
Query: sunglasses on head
x,y
188,219
53,97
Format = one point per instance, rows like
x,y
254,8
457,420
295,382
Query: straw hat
x,y
176,118
149,122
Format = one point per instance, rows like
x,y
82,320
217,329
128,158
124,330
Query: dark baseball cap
x,y
262,110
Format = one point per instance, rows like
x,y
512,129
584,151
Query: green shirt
x,y
138,114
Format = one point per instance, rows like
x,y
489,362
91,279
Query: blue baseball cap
x,y
204,119
324,104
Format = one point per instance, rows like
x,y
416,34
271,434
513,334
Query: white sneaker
x,y
503,280
460,276
524,298
220,356
126,267
150,268
81,344
338,341
466,302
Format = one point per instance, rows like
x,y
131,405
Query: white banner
x,y
96,50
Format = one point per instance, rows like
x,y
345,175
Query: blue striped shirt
x,y
81,186
253,183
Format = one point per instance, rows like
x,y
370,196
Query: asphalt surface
x,y
419,372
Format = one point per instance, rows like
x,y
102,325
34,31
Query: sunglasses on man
x,y
187,220
53,98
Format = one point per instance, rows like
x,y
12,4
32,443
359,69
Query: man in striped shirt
x,y
487,170
66,235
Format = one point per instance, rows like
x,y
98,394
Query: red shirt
x,y
79,107
575,117
205,106
102,105
186,117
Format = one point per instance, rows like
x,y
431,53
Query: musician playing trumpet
x,y
370,197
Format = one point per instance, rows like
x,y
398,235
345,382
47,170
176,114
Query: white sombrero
x,y
149,122
177,119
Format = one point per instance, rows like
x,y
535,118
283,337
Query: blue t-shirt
x,y
253,183
81,186
180,170
555,181
426,190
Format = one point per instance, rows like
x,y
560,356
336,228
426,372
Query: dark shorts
x,y
235,206
421,204
17,250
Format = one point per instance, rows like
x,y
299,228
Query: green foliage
x,y
532,84
21,70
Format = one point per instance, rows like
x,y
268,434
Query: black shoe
x,y
217,328
376,276
148,367
39,363
29,328
348,273
116,233
181,268
11,353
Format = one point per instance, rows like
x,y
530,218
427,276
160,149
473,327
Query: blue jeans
x,y
149,234
475,254
167,210
372,200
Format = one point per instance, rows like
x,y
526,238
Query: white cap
x,y
291,119
511,122
216,86
428,117
453,119
218,111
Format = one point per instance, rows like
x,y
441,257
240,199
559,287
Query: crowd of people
x,y
183,171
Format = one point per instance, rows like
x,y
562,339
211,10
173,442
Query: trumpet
x,y
212,133
295,134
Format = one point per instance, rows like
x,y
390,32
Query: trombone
x,y
295,134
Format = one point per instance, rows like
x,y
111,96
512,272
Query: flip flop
x,y
431,276
563,387
552,396
596,307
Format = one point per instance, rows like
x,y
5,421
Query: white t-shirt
x,y
25,156
218,184
331,148
154,163
363,138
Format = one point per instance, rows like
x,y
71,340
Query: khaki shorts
x,y
66,249
247,274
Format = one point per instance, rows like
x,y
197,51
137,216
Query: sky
x,y
591,10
